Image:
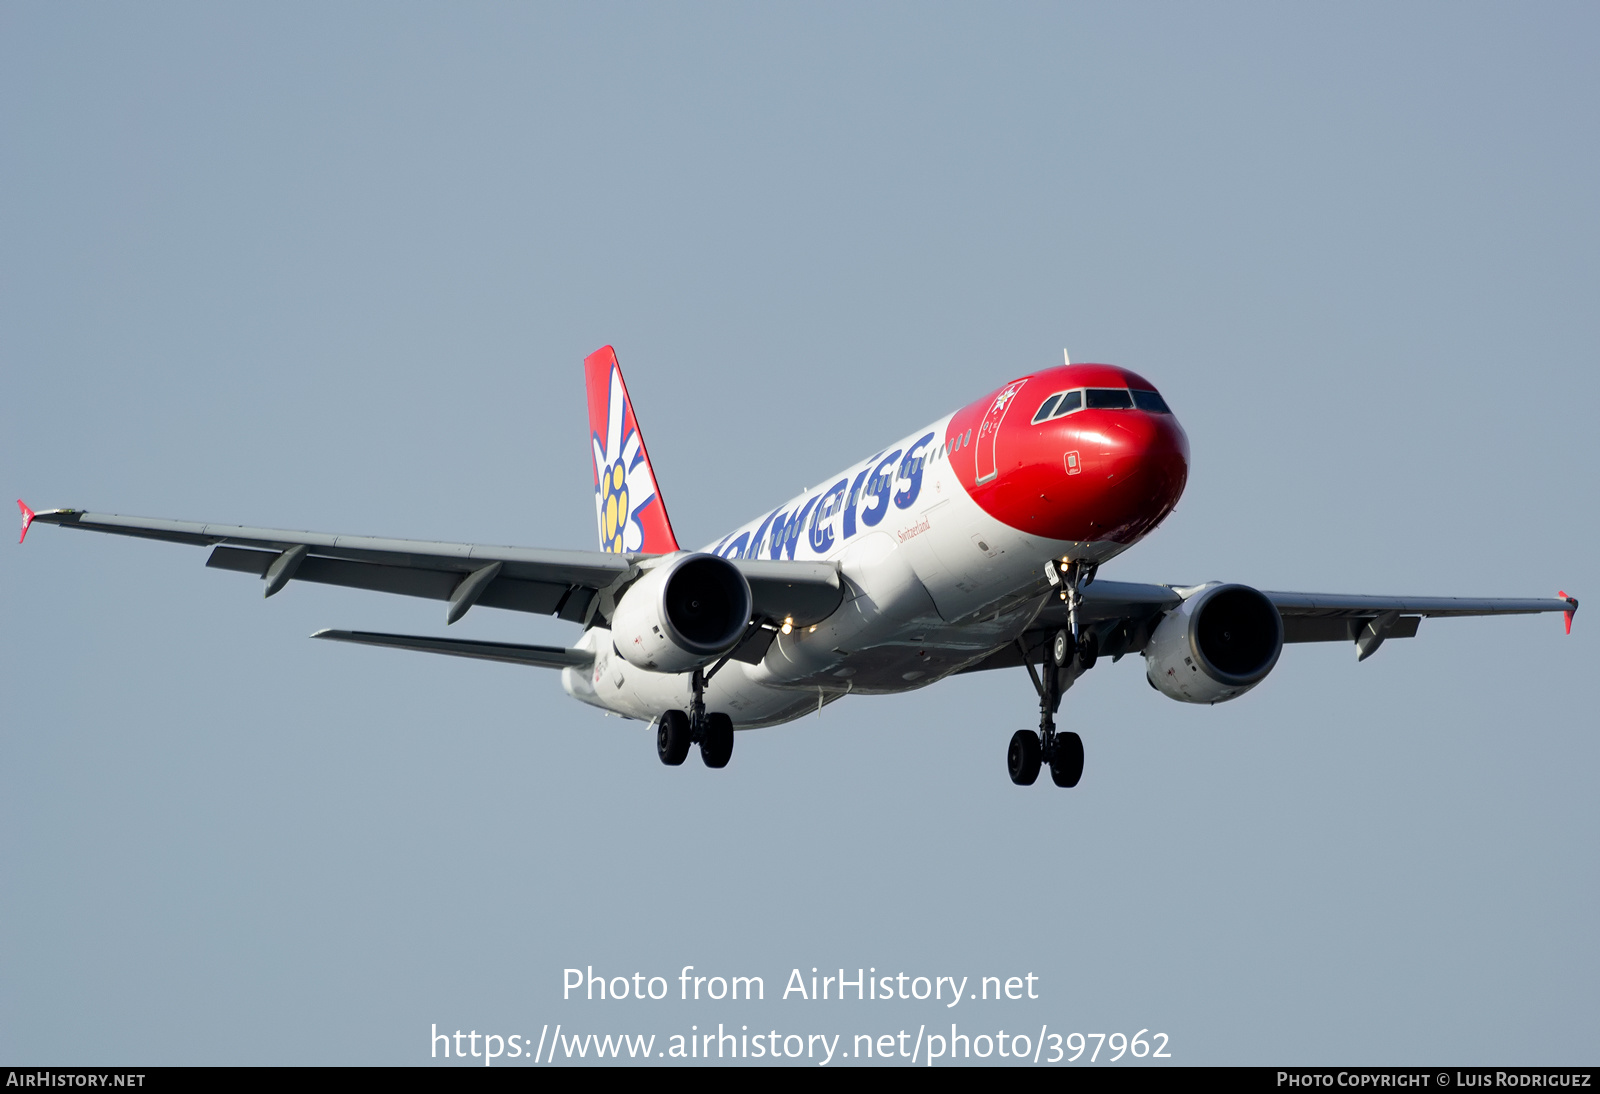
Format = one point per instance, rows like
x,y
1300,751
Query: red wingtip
x,y
27,519
1562,594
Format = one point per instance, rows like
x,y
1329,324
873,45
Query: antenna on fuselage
x,y
1066,358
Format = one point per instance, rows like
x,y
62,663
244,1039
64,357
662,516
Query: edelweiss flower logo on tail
x,y
628,506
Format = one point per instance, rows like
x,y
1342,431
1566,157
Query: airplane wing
x,y
579,586
1122,614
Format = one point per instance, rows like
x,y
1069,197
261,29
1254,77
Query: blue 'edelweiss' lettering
x,y
911,473
822,518
823,521
791,533
878,490
850,501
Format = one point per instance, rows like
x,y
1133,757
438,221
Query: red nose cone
x,y
1132,467
1091,475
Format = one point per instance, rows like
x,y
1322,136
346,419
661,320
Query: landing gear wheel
x,y
1088,652
1061,648
1022,758
672,737
716,742
1066,759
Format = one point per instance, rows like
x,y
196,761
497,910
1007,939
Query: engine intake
x,y
1218,644
684,613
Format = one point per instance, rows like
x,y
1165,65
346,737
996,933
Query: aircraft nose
x,y
1131,469
1140,440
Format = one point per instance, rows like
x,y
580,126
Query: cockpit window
x,y
1108,398
1149,400
1072,400
1063,403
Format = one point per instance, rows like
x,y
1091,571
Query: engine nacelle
x,y
1218,644
684,613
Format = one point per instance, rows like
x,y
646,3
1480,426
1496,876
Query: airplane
x,y
971,544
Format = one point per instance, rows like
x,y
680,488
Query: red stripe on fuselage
x,y
1132,464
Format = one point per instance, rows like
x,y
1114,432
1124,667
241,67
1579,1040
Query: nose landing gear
x,y
1070,653
1062,750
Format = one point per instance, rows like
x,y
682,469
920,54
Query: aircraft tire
x,y
1066,760
1022,757
672,737
716,743
1088,652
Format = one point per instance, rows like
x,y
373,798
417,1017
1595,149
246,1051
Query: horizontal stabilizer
x,y
549,657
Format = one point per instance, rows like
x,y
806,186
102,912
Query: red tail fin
x,y
627,501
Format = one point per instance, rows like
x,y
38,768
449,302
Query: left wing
x,y
1122,615
579,586
1328,617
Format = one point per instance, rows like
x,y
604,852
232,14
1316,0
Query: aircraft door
x,y
989,432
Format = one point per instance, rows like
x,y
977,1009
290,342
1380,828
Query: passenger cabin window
x,y
1149,400
1045,408
1109,398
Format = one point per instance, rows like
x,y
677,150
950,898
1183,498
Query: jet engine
x,y
1218,644
682,614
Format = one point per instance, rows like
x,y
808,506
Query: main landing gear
x,y
1069,654
676,730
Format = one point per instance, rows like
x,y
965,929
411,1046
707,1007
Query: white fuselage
x,y
933,584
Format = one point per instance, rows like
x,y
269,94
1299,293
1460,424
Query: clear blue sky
x,y
336,268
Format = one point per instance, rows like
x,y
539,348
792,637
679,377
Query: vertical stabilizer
x,y
627,501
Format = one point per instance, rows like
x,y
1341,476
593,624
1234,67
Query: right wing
x,y
579,586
